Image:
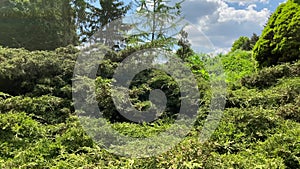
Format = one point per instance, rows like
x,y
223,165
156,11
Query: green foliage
x,y
243,43
197,66
37,72
237,64
260,126
245,160
45,109
250,137
269,76
37,25
75,138
18,125
284,93
284,144
143,83
91,18
280,39
47,25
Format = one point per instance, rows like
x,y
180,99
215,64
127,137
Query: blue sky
x,y
223,21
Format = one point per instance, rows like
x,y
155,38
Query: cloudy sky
x,y
223,21
217,23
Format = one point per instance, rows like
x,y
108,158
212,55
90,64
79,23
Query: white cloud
x,y
246,15
223,24
282,2
245,2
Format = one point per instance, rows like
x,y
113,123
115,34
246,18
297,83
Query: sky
x,y
216,24
224,21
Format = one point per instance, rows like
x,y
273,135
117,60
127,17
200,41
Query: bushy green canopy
x,y
37,25
280,40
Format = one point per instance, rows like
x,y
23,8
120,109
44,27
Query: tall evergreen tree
x,y
37,25
254,38
92,19
47,25
185,49
160,20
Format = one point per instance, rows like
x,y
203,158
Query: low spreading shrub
x,y
270,75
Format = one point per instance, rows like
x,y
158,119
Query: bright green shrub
x,y
238,64
17,131
75,138
280,39
244,160
37,155
18,125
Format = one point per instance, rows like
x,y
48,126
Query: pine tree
x,y
185,49
92,19
160,20
254,38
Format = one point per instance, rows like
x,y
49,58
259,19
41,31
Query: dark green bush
x,y
38,72
291,111
283,93
285,144
270,76
45,109
37,25
239,131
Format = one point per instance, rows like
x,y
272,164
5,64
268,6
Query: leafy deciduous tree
x,y
244,43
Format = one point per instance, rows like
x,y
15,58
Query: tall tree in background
x,y
91,19
49,24
185,49
37,25
242,43
160,20
245,43
254,38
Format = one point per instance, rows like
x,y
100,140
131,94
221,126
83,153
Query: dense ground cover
x,y
39,129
